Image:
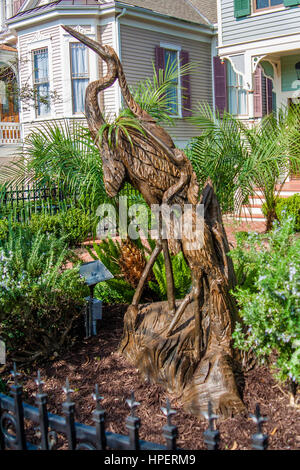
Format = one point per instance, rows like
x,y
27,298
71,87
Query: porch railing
x,y
10,133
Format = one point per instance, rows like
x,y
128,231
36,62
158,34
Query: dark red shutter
x,y
269,96
185,86
258,93
220,84
159,59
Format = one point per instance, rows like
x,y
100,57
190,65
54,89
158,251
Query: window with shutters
x,y
41,81
171,63
237,96
260,5
169,59
79,75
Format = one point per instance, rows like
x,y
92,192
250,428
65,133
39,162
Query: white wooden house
x,y
258,63
142,32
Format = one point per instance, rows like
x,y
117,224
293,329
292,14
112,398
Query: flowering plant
x,y
39,298
270,306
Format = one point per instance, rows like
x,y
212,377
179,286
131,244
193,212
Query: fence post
x,y
41,401
133,424
99,420
17,391
69,412
170,431
260,441
211,435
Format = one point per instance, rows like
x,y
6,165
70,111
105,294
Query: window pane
x,y
41,81
276,2
171,65
43,105
79,60
262,4
80,74
41,71
79,87
232,100
242,98
231,75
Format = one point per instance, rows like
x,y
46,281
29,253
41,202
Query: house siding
x,y
138,55
252,28
26,45
109,95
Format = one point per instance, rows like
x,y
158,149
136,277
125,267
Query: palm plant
x,y
63,152
246,162
60,153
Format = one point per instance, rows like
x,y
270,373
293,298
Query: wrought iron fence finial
x,y
68,391
39,382
168,412
132,404
210,416
97,398
15,374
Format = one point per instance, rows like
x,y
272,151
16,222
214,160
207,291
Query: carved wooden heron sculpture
x,y
162,173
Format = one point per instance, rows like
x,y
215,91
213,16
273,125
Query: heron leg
x,y
169,278
194,295
139,290
179,312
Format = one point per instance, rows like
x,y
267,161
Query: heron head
x,y
106,53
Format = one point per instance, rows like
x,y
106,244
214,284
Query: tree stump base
x,y
171,362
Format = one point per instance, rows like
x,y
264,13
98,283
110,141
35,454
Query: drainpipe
x,y
119,52
123,13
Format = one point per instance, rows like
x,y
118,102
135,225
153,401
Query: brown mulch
x,y
97,361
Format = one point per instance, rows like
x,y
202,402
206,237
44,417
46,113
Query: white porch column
x,y
249,81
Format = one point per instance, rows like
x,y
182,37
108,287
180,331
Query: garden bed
x,y
97,361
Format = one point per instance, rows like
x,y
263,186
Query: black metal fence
x,y
14,415
20,202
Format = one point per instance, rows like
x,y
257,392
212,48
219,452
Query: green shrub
x,y
269,298
74,225
40,301
289,207
4,229
45,223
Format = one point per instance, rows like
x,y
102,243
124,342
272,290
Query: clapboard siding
x,y
137,47
257,27
26,42
109,98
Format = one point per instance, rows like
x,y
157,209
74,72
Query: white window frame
x,y
42,44
71,78
40,116
174,47
66,39
238,75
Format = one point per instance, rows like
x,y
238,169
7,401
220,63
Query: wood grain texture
x,y
185,346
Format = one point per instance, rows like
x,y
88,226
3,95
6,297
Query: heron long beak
x,y
95,46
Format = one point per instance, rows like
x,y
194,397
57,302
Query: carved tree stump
x,y
196,360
